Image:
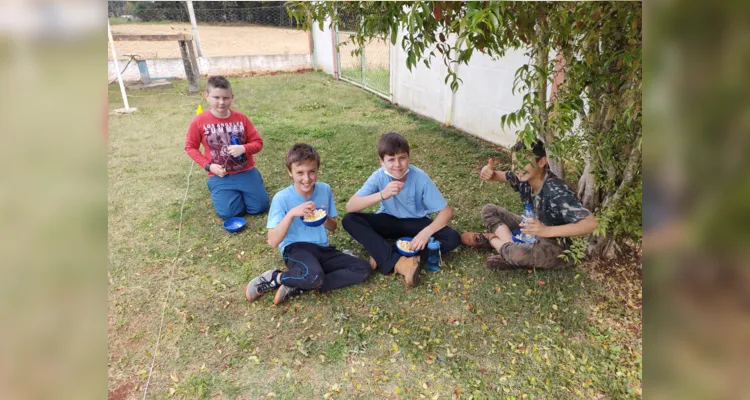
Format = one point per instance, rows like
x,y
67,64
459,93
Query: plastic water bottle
x,y
433,255
235,139
528,213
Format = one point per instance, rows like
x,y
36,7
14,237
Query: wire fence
x,y
264,16
223,31
371,68
245,28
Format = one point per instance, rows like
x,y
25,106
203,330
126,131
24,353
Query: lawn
x,y
464,332
378,79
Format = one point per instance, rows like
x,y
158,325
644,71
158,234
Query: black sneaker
x,y
261,285
284,293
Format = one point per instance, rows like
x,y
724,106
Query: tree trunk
x,y
604,246
541,59
634,159
587,190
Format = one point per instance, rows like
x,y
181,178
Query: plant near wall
x,y
593,123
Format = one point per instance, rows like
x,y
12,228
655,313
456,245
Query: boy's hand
x,y
488,171
392,189
236,150
534,227
302,209
218,170
420,241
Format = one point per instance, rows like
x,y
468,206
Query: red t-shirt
x,y
214,134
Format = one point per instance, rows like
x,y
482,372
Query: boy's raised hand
x,y
488,171
303,209
392,189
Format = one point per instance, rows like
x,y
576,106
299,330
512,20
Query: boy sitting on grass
x,y
311,262
559,215
407,197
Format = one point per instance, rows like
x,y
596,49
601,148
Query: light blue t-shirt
x,y
418,199
287,199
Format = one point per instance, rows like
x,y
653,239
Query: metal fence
x,y
265,13
371,69
266,29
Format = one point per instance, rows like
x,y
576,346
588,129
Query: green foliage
x,y
576,254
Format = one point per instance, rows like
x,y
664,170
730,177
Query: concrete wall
x,y
174,68
484,96
323,48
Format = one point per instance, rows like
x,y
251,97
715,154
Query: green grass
x,y
376,79
462,330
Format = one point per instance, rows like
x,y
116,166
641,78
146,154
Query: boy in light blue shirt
x,y
311,262
407,198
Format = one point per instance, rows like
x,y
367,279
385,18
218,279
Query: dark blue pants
x,y
372,230
323,268
236,194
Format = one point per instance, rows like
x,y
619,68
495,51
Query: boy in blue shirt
x,y
311,263
407,197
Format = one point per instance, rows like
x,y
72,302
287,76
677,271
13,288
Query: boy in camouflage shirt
x,y
560,215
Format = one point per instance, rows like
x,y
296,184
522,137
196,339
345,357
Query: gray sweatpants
x,y
543,254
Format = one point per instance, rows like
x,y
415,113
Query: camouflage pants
x,y
543,254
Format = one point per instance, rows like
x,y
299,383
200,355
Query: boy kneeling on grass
x,y
234,181
559,215
407,197
311,263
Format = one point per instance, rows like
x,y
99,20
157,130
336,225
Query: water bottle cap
x,y
433,244
527,206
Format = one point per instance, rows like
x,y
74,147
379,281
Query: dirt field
x,y
215,40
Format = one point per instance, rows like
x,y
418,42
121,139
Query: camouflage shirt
x,y
555,204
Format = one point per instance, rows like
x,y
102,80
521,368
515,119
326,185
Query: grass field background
x,y
464,332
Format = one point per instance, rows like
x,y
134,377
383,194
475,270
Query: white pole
x,y
195,27
117,68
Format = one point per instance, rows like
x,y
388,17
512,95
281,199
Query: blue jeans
x,y
239,193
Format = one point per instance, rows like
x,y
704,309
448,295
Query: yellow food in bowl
x,y
316,215
404,246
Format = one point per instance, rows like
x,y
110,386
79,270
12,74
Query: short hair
x,y
301,153
218,81
391,144
537,148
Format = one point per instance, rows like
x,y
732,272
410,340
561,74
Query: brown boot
x,y
409,268
473,239
373,265
497,262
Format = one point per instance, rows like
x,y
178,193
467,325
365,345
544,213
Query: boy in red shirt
x,y
235,184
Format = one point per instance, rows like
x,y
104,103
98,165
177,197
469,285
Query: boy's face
x,y
220,99
396,164
304,175
532,169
